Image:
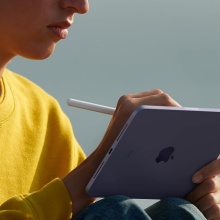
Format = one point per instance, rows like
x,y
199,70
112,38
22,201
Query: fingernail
x,y
197,178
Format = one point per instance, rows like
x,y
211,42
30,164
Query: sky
x,y
127,47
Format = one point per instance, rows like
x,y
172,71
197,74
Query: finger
x,y
210,185
210,170
127,104
213,212
162,99
130,104
138,95
207,201
146,93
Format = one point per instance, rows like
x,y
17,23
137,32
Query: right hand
x,y
126,105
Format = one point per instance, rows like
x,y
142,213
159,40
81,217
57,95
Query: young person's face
x,y
23,25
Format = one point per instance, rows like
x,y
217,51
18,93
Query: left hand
x,y
206,196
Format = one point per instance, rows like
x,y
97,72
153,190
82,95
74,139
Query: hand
x,y
128,103
206,196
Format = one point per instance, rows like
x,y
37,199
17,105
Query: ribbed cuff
x,y
51,202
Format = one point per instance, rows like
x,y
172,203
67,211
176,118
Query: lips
x,y
62,24
59,32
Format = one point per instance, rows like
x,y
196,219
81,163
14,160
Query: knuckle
x,y
158,91
124,97
216,210
211,199
127,106
165,96
212,185
127,103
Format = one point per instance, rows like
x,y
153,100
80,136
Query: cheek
x,y
24,24
24,17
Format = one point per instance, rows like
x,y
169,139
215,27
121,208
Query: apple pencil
x,y
91,106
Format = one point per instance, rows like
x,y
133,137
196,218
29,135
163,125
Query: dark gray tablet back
x,y
157,152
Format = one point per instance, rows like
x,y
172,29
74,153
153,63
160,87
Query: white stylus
x,y
91,106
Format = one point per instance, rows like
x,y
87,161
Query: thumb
x,y
210,170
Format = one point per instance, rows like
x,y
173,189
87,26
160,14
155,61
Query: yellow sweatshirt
x,y
37,149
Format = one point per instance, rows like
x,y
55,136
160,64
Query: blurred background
x,y
126,47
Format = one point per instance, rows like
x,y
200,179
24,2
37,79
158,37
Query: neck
x,y
1,71
5,58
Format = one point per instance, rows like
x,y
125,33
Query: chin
x,y
38,53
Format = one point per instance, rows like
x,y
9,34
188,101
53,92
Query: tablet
x,y
157,152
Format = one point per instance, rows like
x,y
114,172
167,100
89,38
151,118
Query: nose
x,y
82,6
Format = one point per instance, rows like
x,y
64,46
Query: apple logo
x,y
165,154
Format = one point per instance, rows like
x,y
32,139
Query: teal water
x,y
126,47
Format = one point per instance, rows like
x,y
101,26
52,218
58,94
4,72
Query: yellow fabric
x,y
37,149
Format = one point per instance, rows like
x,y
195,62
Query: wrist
x,y
77,180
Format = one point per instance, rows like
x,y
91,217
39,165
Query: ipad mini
x,y
157,152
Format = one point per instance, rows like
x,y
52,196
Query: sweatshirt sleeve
x,y
40,204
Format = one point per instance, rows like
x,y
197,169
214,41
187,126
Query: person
x,y
43,169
